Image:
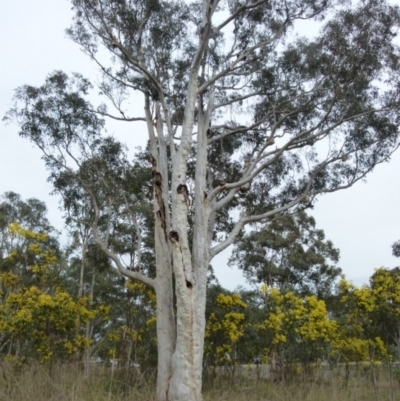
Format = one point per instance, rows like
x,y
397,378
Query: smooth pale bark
x,y
165,316
190,268
89,328
189,265
166,332
185,380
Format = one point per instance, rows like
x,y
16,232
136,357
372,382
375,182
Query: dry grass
x,y
321,386
67,383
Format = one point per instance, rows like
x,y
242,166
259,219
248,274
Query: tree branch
x,y
126,272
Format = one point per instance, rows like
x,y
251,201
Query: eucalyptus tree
x,y
244,121
289,253
31,214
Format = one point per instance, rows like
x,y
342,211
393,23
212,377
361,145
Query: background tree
x,y
30,214
385,288
213,72
290,254
296,329
40,282
224,329
358,338
37,317
22,225
396,249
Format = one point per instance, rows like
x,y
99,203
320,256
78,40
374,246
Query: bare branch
x,y
127,119
246,220
126,272
237,99
237,12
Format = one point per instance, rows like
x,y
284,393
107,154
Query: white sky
x,y
362,221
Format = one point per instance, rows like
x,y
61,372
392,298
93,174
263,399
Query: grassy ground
x,y
66,383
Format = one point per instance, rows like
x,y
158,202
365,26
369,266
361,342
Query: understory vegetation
x,y
66,383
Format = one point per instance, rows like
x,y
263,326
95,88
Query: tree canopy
x,y
289,253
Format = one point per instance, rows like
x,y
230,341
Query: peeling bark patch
x,y
173,236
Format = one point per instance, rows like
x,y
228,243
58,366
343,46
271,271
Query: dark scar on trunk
x,y
173,236
183,189
161,213
157,178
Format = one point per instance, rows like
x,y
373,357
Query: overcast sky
x,y
362,221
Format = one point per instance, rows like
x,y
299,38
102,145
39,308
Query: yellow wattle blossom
x,y
224,328
295,319
140,289
17,230
47,319
34,248
9,280
151,321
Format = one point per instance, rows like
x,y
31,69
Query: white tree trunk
x,y
165,318
190,268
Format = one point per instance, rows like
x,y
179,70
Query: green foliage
x,y
396,249
288,253
133,338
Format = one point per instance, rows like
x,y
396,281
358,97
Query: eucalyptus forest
x,y
248,123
